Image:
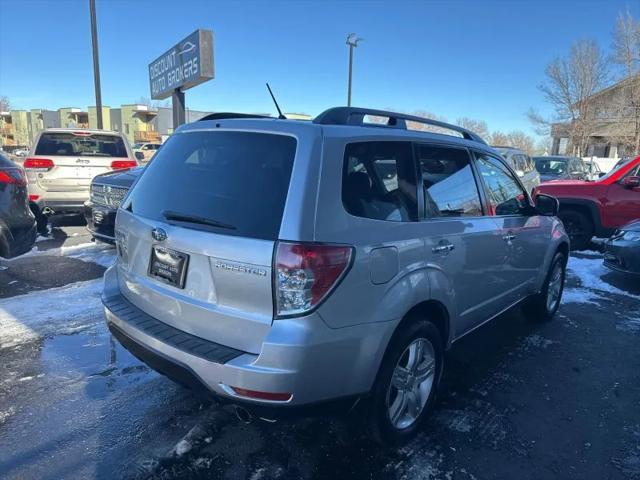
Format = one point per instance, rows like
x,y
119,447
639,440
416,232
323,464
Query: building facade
x,y
613,127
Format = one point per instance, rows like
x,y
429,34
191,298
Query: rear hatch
x,y
196,234
68,161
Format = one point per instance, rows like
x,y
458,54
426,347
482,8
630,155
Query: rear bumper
x,y
302,357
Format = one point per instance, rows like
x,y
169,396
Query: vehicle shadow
x,y
220,445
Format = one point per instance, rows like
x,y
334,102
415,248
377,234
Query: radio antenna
x,y
280,115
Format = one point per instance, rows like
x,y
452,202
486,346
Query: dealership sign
x,y
185,65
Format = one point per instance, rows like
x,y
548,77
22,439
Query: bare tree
x,y
626,55
569,85
152,103
5,104
522,141
499,139
477,126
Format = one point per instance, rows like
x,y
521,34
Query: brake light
x,y
44,164
123,164
14,176
34,198
274,397
306,273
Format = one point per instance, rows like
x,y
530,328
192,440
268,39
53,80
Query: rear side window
x,y
379,181
450,189
233,183
81,144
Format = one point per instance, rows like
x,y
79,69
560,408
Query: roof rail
x,y
228,115
355,116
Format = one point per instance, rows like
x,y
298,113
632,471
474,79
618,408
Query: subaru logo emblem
x,y
159,234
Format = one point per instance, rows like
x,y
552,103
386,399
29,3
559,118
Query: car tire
x,y
411,404
579,227
542,306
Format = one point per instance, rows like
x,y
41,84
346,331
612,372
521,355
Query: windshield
x,y
551,166
234,183
81,144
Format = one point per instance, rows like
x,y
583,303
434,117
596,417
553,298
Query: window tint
x,y
506,197
449,186
85,144
237,179
379,181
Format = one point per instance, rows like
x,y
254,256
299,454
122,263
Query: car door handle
x,y
509,237
443,248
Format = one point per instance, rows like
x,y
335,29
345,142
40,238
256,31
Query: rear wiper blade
x,y
181,217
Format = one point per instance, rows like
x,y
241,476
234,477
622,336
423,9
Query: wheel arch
x,y
587,207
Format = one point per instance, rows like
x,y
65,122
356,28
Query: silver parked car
x,y
333,259
523,165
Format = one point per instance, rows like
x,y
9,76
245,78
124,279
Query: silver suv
x,y
283,263
63,161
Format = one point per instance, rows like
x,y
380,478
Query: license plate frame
x,y
168,266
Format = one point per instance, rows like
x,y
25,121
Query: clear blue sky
x,y
481,59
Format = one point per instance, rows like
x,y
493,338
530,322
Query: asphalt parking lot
x,y
519,400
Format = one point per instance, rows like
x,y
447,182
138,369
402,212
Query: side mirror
x,y
631,182
547,205
139,156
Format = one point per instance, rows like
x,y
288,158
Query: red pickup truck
x,y
597,208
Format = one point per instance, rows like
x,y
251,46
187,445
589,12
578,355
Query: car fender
x,y
558,237
591,206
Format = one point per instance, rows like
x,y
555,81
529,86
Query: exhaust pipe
x,y
47,211
243,414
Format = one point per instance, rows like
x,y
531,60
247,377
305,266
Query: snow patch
x,y
61,310
589,271
629,325
536,341
182,447
101,253
581,295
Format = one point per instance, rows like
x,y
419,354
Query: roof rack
x,y
355,116
228,115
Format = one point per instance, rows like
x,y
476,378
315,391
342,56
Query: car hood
x,y
120,178
560,182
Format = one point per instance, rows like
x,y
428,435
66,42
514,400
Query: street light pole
x,y
352,41
96,63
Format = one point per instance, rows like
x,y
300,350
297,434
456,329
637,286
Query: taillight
x,y
123,164
40,164
34,198
14,176
305,274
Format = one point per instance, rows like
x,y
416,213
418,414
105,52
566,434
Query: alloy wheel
x,y
411,383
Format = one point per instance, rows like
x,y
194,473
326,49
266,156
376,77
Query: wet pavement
x,y
519,400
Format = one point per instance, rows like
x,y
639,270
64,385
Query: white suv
x,y
62,163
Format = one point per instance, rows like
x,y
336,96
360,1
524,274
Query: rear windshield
x,y
233,183
555,166
86,145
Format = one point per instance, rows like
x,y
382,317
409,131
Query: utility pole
x,y
96,63
352,41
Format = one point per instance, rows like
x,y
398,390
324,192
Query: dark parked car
x,y
561,168
622,250
17,223
107,191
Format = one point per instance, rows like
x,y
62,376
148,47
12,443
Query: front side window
x,y
505,195
379,181
449,186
